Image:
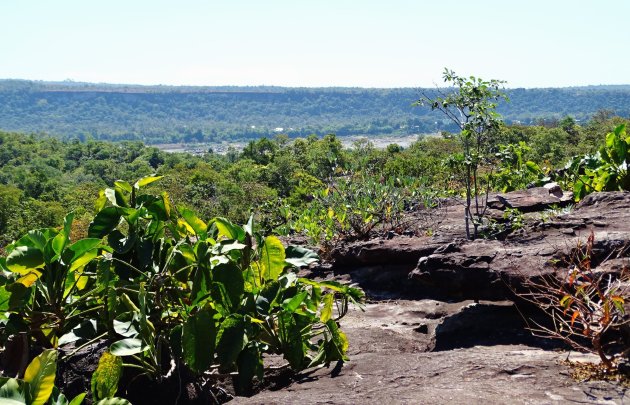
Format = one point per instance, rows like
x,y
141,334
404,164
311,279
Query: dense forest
x,y
42,178
164,114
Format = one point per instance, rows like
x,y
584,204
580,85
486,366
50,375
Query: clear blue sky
x,y
387,43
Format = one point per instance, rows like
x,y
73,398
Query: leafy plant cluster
x,y
170,291
356,207
606,170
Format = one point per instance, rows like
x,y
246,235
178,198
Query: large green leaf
x,y
195,223
60,241
249,365
58,398
228,230
198,341
290,337
11,393
338,345
272,258
231,277
78,399
83,246
299,256
81,253
104,222
106,376
128,347
145,181
25,259
113,401
123,185
40,376
231,340
291,304
327,309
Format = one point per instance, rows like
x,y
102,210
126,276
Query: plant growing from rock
x,y
584,303
472,107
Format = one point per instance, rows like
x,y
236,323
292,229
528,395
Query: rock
x,y
441,346
395,250
532,199
388,364
449,266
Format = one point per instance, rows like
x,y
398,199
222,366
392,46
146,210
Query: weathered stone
x,y
443,348
532,199
489,269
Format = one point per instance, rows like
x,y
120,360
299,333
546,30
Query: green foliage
x,y
48,286
171,287
471,107
607,170
354,206
514,173
183,114
38,387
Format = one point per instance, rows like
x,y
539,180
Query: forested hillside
x,y
164,114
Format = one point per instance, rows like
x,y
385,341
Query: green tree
x,y
472,107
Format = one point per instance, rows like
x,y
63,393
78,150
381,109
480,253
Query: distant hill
x,y
168,114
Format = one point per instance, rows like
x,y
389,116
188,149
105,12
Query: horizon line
x,y
201,86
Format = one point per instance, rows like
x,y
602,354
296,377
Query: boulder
x,y
532,199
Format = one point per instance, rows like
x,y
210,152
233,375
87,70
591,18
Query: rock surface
x,y
442,328
393,362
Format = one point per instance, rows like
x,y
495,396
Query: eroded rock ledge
x,y
448,265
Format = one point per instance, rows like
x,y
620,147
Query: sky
x,y
316,43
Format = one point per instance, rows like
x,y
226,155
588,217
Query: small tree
x,y
471,106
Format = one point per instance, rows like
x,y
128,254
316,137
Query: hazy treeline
x,y
163,114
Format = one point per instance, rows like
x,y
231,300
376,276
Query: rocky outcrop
x,y
442,325
448,265
434,352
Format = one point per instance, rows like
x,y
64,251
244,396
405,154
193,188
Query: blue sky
x,y
388,43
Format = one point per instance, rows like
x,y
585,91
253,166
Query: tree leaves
x,y
40,375
198,340
105,378
128,347
272,258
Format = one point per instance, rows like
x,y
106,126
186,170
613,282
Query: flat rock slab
x,y
390,364
478,375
